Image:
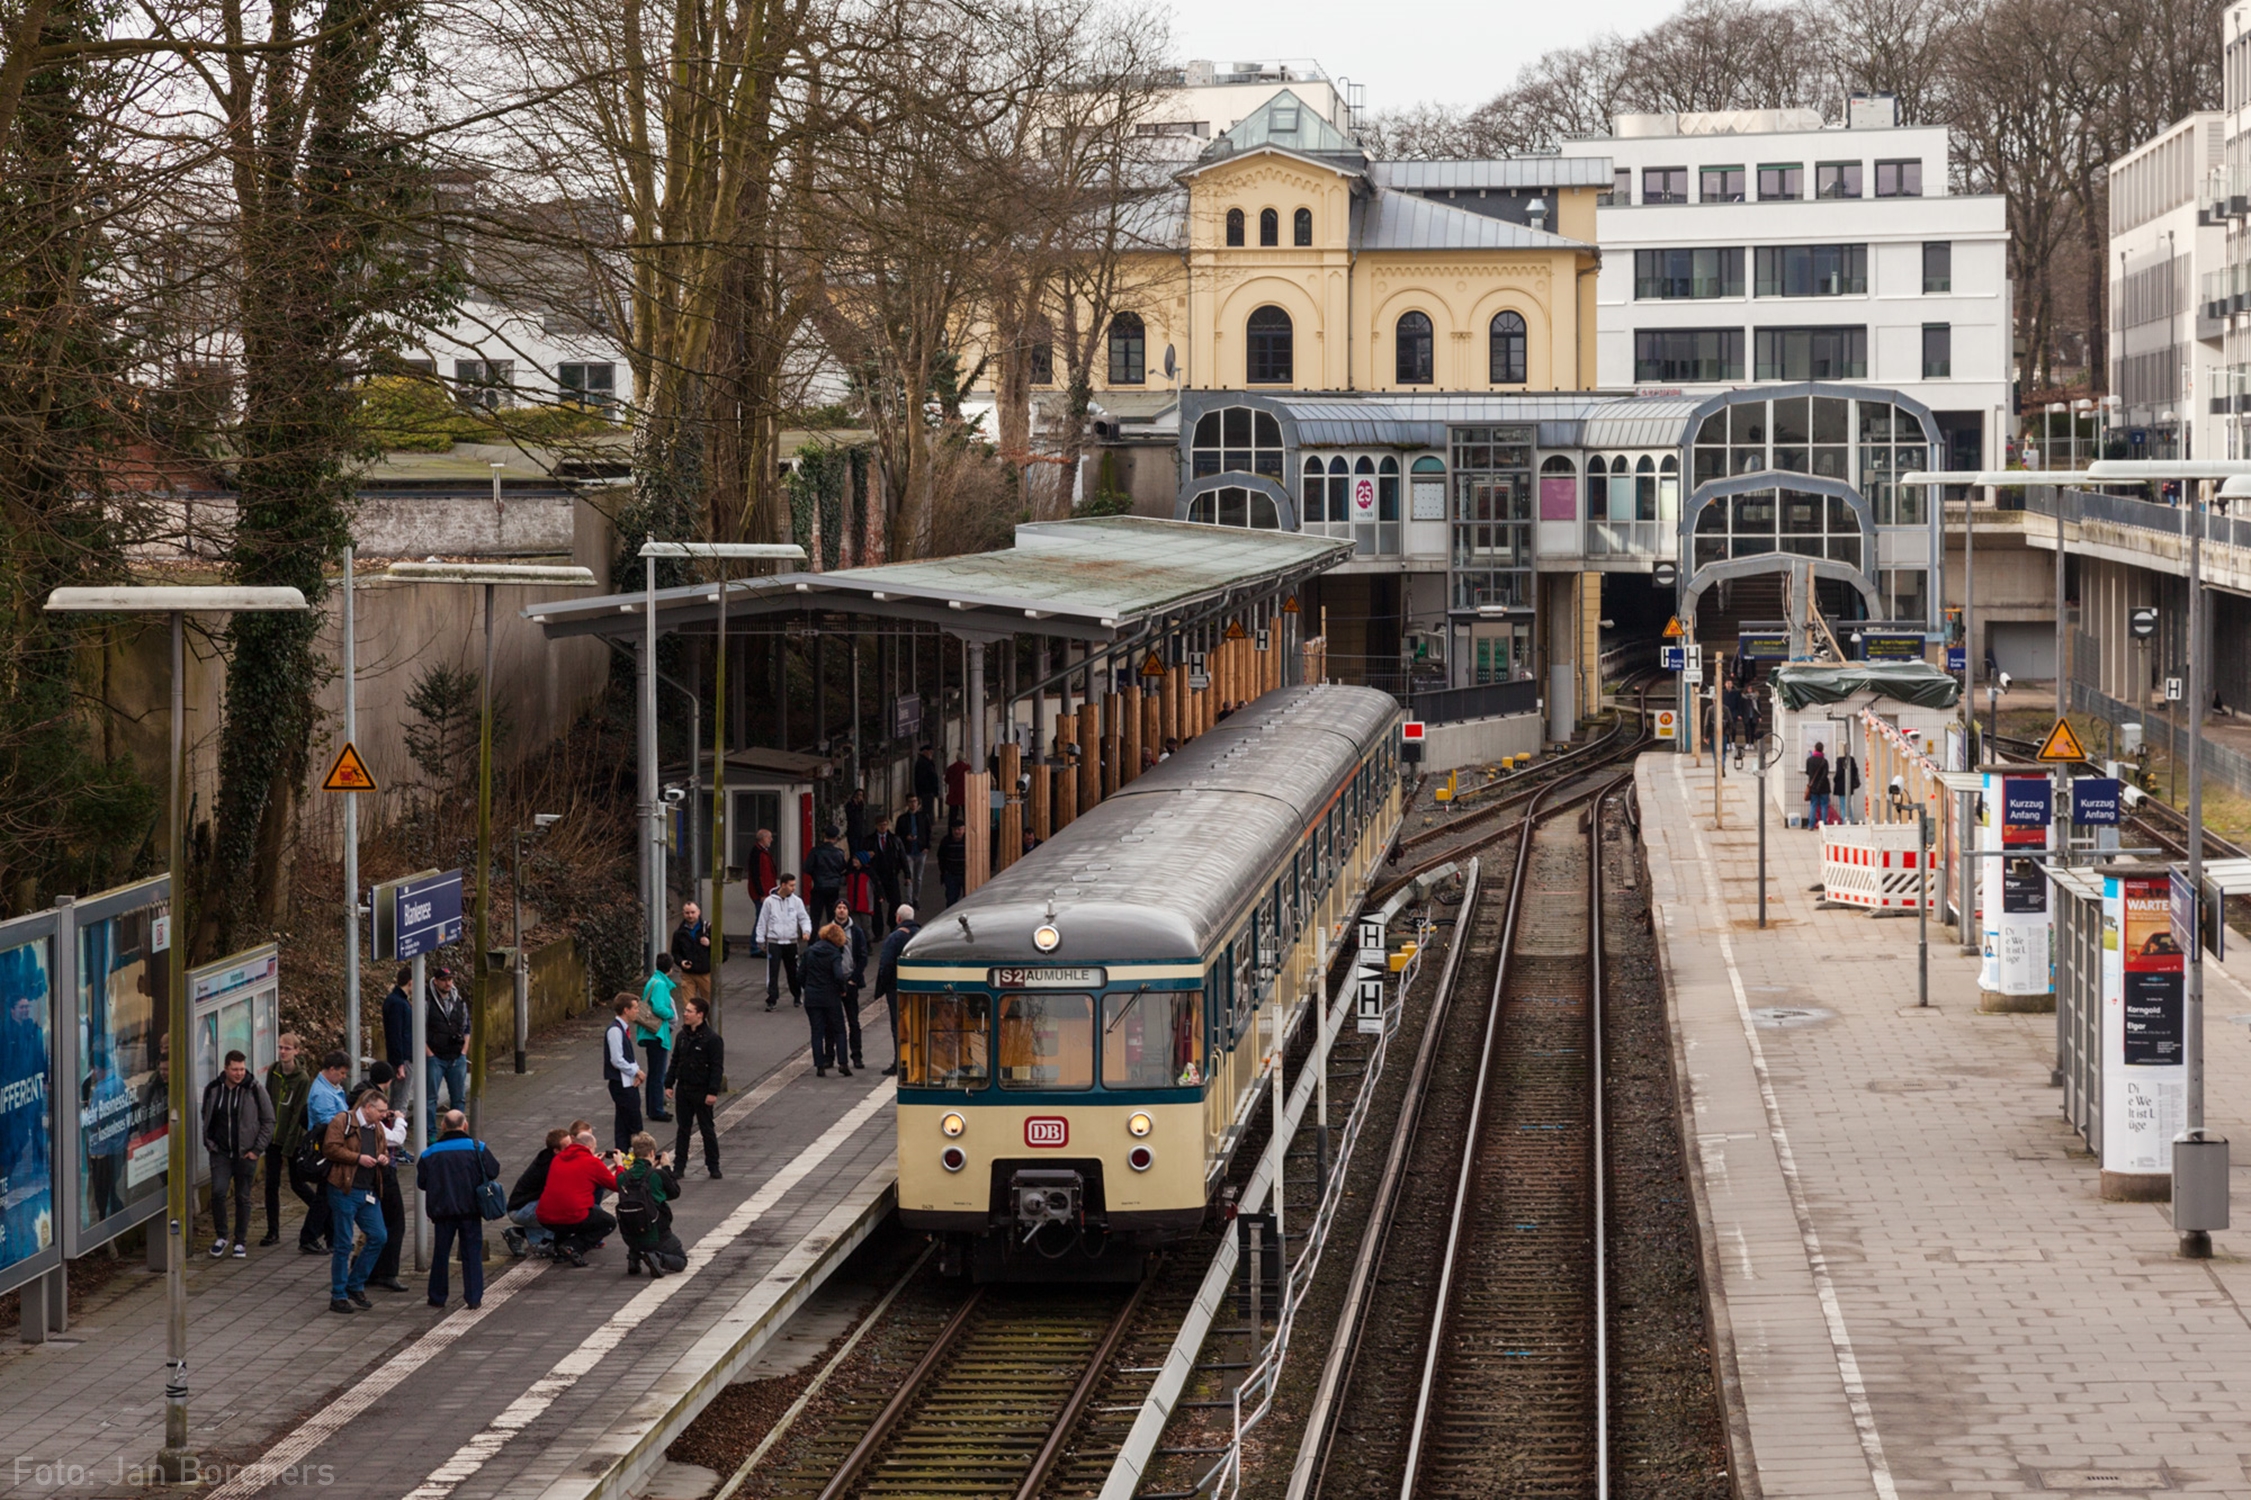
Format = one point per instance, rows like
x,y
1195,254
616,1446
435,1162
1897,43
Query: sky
x,y
1405,51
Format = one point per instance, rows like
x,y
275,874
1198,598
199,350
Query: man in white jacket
x,y
783,923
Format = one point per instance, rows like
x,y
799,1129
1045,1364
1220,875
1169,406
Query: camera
x,y
675,795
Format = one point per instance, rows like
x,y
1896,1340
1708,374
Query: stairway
x,y
1727,605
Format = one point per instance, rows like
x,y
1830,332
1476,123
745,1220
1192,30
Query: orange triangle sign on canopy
x,y
2061,743
349,774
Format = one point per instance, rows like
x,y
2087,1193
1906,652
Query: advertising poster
x,y
27,1093
2019,933
2145,1079
124,1040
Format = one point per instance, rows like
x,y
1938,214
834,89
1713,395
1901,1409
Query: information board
x,y
1875,646
2094,801
2145,1076
28,1016
124,1060
2018,931
1763,645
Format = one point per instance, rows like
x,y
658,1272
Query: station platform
x,y
1919,1290
565,1383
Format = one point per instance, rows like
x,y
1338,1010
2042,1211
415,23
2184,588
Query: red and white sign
x,y
1668,723
1363,494
1047,1131
1411,730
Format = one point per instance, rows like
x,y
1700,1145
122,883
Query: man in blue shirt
x,y
324,1103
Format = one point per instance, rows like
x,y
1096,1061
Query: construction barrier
x,y
1872,865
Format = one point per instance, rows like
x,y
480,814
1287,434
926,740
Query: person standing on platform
x,y
914,845
856,820
927,784
887,863
1844,786
451,1171
287,1085
323,1102
353,1146
763,871
783,923
856,954
699,1062
621,1070
887,975
395,1124
654,1032
445,1037
1816,787
957,788
824,873
827,966
953,862
238,1125
691,953
398,1035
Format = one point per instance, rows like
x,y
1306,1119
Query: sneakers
x,y
218,1248
241,1251
518,1246
571,1256
339,1305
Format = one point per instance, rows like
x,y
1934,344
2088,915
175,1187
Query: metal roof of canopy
x,y
1100,579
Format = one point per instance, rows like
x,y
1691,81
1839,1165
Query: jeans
x,y
347,1210
454,1073
401,1085
829,1041
527,1219
692,1115
627,1124
852,1028
652,1077
239,1172
954,889
471,1233
914,876
277,1168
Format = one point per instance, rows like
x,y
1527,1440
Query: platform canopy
x,y
1099,580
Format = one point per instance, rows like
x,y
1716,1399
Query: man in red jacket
x,y
566,1205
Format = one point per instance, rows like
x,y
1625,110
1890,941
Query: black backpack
x,y
636,1207
306,1164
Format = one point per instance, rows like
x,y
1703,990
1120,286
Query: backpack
x,y
636,1207
306,1163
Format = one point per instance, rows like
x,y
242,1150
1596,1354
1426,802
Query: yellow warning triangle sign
x,y
2061,743
1235,631
349,774
1153,667
1674,630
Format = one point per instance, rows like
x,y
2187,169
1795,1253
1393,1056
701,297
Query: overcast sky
x,y
1453,51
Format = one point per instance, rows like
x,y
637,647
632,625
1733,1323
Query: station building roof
x,y
1101,579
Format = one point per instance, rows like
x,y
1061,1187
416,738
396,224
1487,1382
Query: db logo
x,y
1047,1130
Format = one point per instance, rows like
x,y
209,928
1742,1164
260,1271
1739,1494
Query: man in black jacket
x,y
887,861
824,872
691,952
527,1234
450,1171
887,975
699,1062
927,784
238,1123
398,1035
445,1038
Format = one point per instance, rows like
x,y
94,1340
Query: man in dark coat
x,y
927,784
398,1035
887,975
451,1171
238,1125
886,860
827,966
699,1063
825,868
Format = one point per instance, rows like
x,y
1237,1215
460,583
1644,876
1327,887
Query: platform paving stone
x,y
77,1415
1945,1305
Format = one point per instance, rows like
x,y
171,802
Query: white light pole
x,y
352,831
175,1462
1938,478
490,576
721,551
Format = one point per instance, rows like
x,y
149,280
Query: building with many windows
x,y
2166,333
1753,246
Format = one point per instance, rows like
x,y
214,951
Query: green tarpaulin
x,y
1916,682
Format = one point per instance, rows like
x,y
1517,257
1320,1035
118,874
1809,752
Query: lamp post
x,y
175,1462
1941,478
651,550
541,822
490,576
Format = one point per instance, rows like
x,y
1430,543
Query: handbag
x,y
492,1199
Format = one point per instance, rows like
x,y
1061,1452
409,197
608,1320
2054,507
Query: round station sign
x,y
1363,494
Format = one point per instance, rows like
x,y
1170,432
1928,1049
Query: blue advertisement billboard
x,y
27,1104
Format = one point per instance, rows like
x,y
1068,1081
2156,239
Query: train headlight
x,y
1139,1158
1046,938
1139,1123
954,1158
953,1122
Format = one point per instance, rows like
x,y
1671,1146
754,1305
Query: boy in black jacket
x,y
699,1063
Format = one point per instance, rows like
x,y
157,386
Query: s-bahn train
x,y
1082,1040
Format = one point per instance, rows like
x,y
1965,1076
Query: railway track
x,y
1465,1355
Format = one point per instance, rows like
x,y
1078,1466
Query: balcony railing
x,y
2124,510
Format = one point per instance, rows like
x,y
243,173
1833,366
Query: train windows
x,y
1153,1039
1047,1041
945,1040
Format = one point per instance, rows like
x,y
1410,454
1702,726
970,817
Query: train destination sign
x,y
1763,645
1875,646
1049,979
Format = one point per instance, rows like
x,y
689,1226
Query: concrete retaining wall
x,y
1478,742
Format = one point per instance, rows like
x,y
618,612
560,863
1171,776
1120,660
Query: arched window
x,y
1237,439
1313,499
1267,347
1427,488
1039,354
1129,350
1233,505
1340,493
1645,489
1234,226
1414,349
1269,227
1508,350
1303,227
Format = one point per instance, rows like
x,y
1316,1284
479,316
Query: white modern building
x,y
497,356
2224,200
1212,98
1751,246
2167,274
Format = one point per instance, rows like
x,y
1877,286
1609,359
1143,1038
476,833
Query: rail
x,y
1485,700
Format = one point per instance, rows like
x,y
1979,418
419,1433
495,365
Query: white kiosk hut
x,y
1822,704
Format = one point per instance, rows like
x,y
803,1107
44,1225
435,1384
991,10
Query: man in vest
x,y
621,1069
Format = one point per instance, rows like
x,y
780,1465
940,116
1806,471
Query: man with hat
x,y
445,1045
386,1271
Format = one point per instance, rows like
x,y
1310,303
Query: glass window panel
x,y
1720,184
1796,460
1748,460
1712,519
1841,517
1845,549
1747,422
1710,549
1714,429
1801,513
946,1040
1047,1041
1752,514
1263,514
1268,461
1829,462
1837,179
1781,180
1269,431
1153,1039
1711,463
1938,266
1831,416
1207,430
1233,506
1792,420
1238,426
